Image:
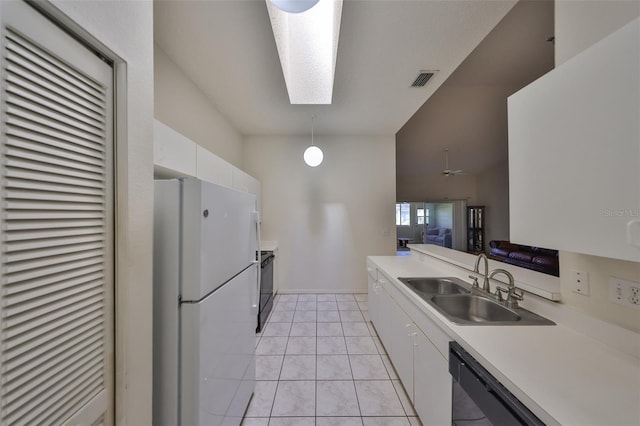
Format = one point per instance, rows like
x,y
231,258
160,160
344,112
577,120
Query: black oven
x,y
266,288
479,399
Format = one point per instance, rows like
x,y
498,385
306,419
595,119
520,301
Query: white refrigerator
x,y
206,289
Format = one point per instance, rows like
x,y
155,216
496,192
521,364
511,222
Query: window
x,y
422,216
403,214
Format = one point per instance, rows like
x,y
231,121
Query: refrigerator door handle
x,y
257,261
256,218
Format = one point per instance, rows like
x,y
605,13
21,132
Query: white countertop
x,y
563,376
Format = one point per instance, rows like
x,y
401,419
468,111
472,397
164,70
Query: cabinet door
x,y
574,180
401,351
373,290
383,326
432,383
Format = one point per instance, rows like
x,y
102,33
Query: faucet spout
x,y
476,268
512,282
512,295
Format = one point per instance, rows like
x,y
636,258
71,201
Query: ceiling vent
x,y
423,78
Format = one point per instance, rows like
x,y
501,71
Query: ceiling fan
x,y
447,171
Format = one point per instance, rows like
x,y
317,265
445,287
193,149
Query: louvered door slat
x,y
34,380
29,371
27,357
51,187
43,263
38,292
53,232
27,130
26,49
82,395
34,118
51,300
56,227
28,413
53,196
20,246
63,109
51,270
55,114
78,396
47,178
19,204
54,151
51,280
41,329
29,87
38,84
17,225
16,54
35,255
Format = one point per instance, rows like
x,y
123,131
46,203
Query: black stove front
x,y
266,287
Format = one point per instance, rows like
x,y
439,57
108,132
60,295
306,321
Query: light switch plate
x,y
580,282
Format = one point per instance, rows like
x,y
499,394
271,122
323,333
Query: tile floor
x,y
319,362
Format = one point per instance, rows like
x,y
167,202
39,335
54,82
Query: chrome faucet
x,y
476,268
512,295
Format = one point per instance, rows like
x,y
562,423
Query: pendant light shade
x,y
313,156
294,6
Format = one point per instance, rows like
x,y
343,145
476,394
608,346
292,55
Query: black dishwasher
x,y
266,287
479,399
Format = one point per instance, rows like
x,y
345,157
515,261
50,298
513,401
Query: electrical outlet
x,y
580,282
624,292
634,298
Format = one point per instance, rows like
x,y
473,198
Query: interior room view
x,y
198,224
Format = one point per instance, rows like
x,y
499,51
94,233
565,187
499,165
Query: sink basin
x,y
472,308
436,285
463,304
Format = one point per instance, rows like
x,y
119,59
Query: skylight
x,y
307,46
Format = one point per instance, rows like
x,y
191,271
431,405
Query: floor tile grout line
x,y
315,417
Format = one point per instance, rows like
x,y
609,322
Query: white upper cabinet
x,y
175,155
574,153
214,169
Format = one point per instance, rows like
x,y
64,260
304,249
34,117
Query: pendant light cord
x,y
312,117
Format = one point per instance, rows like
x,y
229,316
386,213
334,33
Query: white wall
x,y
126,28
327,219
579,24
436,187
493,193
181,105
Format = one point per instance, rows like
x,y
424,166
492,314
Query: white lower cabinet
x,y
374,294
432,383
383,326
421,365
402,329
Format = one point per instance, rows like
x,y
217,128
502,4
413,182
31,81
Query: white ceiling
x,y
228,50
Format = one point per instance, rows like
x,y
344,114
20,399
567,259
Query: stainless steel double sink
x,y
462,304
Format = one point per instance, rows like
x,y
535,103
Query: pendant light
x,y
313,155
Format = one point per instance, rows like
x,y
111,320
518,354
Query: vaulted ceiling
x,y
468,112
228,50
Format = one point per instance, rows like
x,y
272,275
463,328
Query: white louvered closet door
x,y
56,218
